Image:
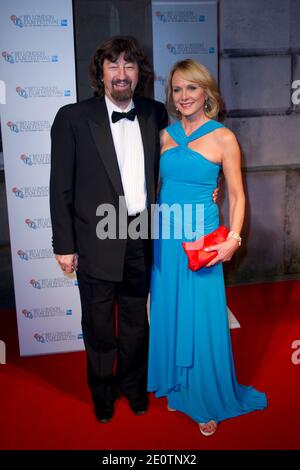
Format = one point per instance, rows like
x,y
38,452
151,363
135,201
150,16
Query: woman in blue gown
x,y
190,356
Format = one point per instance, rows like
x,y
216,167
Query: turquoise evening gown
x,y
190,356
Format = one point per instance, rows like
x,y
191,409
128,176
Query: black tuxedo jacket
x,y
85,174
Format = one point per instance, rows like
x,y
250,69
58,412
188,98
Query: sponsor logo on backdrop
x,y
185,16
35,284
23,57
29,126
31,191
42,92
38,223
39,338
13,126
27,313
160,79
188,49
21,92
46,312
35,159
18,193
54,336
52,283
8,57
43,20
22,255
35,253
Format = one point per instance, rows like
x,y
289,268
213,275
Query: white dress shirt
x,y
130,153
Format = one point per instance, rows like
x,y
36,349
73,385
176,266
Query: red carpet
x,y
45,403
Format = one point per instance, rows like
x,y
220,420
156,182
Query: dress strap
x,y
177,132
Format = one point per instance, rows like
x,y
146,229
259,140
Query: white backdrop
x,y
181,30
37,65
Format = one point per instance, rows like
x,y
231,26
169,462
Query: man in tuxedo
x,y
105,148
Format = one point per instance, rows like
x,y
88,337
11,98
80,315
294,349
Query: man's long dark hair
x,y
111,50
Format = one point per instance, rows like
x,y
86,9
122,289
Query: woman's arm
x,y
231,162
233,176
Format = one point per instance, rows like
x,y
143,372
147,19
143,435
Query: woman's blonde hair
x,y
193,71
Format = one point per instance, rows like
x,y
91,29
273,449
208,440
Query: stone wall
x,y
259,60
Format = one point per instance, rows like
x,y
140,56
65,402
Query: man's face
x,y
120,79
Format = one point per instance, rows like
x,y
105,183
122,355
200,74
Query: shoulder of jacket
x,y
149,102
78,107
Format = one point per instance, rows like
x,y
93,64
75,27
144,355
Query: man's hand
x,y
215,194
68,263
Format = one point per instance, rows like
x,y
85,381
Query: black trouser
x,y
130,345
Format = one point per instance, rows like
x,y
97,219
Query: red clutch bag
x,y
198,258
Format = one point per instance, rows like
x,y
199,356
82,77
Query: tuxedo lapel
x,y
146,122
98,122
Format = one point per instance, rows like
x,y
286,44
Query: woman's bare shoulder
x,y
225,135
226,138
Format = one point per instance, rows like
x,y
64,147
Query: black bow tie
x,y
115,117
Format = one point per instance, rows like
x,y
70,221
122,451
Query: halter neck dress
x,y
190,356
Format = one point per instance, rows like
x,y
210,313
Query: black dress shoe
x,y
104,415
139,407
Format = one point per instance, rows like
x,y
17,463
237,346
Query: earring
x,y
206,105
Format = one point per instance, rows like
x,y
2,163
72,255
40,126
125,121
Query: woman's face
x,y
188,96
